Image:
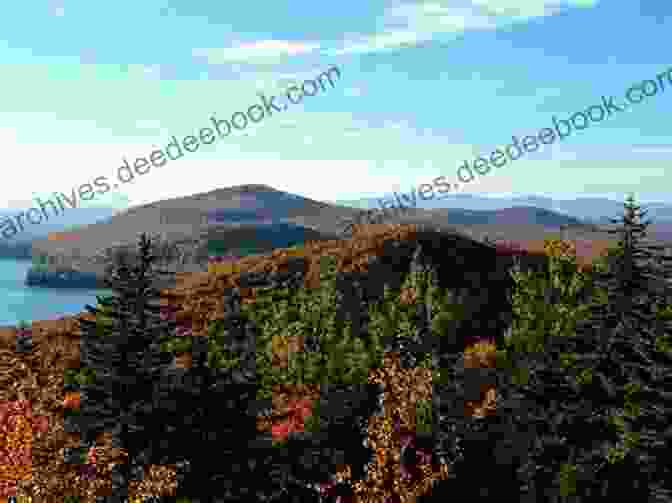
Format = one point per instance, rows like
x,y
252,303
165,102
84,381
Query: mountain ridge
x,y
187,221
589,208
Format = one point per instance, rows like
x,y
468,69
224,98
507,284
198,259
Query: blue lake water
x,y
19,302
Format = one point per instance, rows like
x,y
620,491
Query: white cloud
x,y
405,23
378,43
259,51
409,23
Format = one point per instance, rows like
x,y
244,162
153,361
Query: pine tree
x,y
127,361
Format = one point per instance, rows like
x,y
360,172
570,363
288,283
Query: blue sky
x,y
424,85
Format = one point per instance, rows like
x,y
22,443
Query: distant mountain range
x,y
260,202
19,245
71,217
185,217
589,209
230,213
509,216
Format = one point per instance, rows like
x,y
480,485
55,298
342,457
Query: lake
x,y
21,303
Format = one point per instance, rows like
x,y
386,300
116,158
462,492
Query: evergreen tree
x,y
127,361
634,275
596,400
635,278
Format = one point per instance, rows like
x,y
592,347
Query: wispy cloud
x,y
258,51
409,23
402,24
405,23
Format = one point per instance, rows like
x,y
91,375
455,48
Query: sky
x,y
422,87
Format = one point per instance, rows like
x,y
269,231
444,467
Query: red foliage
x,y
298,411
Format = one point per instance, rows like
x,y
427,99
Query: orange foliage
x,y
16,435
63,236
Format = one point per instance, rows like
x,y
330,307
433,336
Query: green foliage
x,y
85,375
343,359
216,247
79,376
218,356
631,391
663,316
547,304
177,344
628,441
626,273
127,362
390,317
423,415
248,250
103,318
567,478
445,313
603,341
585,376
68,412
312,422
628,300
40,262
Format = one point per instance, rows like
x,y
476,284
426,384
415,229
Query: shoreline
x,y
63,324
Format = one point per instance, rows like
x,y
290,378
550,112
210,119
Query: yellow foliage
x,y
223,268
295,252
559,248
480,355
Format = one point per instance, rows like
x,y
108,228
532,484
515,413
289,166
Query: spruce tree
x,y
597,401
635,279
634,275
127,361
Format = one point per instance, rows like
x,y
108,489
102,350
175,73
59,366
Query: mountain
x,y
66,220
238,219
19,245
662,231
519,215
592,209
250,239
256,201
186,223
186,217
